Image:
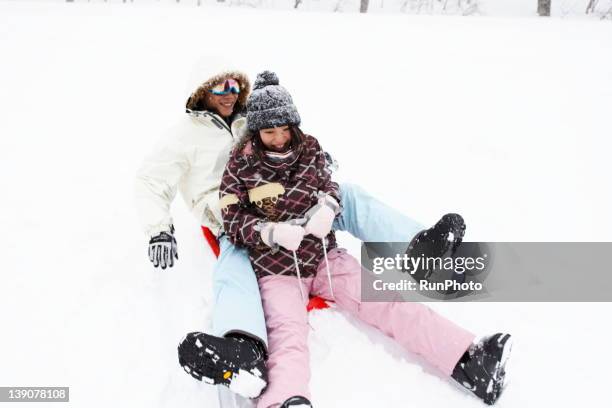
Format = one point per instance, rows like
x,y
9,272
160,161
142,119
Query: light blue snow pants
x,y
236,293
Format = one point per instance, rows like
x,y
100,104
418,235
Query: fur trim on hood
x,y
197,100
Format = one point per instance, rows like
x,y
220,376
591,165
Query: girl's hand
x,y
321,216
287,235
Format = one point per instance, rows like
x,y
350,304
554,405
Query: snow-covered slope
x,y
505,121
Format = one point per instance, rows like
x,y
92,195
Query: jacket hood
x,y
196,101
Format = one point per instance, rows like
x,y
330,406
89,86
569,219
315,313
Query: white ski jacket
x,y
191,158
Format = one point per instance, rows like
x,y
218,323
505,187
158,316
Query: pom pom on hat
x,y
265,78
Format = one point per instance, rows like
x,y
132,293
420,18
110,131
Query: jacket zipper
x,y
214,119
220,123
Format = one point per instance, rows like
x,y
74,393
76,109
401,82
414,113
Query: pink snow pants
x,y
419,329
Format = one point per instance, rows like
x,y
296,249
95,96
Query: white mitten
x,y
321,216
286,235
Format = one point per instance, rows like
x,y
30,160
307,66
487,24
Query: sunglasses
x,y
230,85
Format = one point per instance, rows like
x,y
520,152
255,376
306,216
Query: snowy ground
x,y
503,120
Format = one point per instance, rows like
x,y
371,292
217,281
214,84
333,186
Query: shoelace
x,y
329,280
299,276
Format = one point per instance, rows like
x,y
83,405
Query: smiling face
x,y
276,139
223,104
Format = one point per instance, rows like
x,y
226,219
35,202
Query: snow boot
x,y
296,402
439,241
482,369
237,362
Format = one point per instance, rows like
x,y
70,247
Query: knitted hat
x,y
270,105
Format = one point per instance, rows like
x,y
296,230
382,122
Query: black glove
x,y
162,249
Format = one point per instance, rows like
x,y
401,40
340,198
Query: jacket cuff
x,y
330,201
155,231
214,208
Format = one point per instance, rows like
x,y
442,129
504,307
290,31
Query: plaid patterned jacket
x,y
253,192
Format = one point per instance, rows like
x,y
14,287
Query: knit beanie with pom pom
x,y
270,105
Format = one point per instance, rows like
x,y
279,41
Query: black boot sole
x,y
496,384
215,360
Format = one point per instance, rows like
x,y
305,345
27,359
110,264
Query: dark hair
x,y
297,139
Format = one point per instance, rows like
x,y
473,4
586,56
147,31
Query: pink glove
x,y
321,216
286,235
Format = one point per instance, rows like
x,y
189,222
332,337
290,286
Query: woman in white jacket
x,y
192,159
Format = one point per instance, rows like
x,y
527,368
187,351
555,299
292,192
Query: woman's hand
x,y
162,249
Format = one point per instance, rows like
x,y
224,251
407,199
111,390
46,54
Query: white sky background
x,y
505,121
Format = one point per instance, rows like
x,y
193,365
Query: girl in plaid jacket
x,y
278,200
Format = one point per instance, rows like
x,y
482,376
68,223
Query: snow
x,y
513,113
247,384
490,387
